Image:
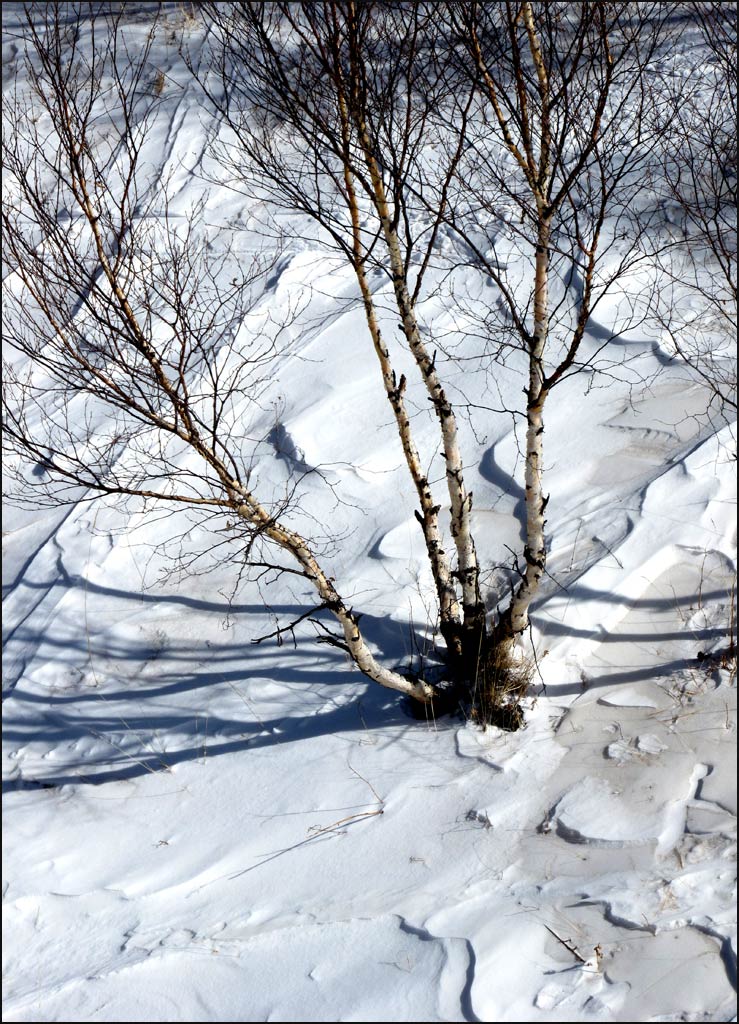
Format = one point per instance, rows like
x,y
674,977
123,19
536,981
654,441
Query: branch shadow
x,y
648,640
492,472
163,698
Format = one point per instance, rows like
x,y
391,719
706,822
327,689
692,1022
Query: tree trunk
x,y
428,517
516,619
468,569
355,643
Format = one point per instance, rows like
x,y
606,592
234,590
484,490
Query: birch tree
x,y
560,155
127,329
332,108
389,126
698,279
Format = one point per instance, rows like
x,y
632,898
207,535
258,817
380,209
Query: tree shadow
x,y
167,706
162,707
648,640
491,471
580,593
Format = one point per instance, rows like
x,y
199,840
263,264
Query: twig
x,y
567,945
536,660
376,795
327,637
289,628
609,550
317,830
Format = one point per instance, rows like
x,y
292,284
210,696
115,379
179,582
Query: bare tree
x,y
130,376
333,109
390,126
698,279
543,122
559,162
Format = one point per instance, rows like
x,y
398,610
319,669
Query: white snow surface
x,y
198,828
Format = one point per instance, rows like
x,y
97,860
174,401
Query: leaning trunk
x,y
354,643
428,516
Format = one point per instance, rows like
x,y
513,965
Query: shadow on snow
x,y
153,707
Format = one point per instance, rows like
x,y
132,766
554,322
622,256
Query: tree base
x,y
485,683
508,717
446,701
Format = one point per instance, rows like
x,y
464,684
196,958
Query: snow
x,y
199,828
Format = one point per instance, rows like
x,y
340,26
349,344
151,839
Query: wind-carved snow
x,y
629,697
593,812
201,828
488,839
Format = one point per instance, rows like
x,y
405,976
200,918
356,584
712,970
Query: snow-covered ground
x,y
202,829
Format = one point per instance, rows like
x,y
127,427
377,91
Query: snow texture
x,y
200,829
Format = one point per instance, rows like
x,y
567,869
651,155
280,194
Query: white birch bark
x,y
535,546
245,504
536,168
429,515
294,544
460,499
394,390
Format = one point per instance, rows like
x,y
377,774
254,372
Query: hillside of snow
x,y
201,828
